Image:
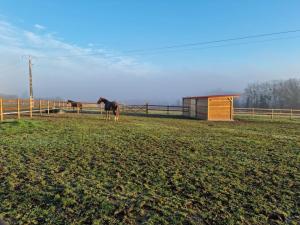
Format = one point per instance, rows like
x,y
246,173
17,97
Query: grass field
x,y
84,170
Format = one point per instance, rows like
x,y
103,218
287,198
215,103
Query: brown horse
x,y
108,106
75,105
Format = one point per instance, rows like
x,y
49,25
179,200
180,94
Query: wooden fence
x,y
27,107
270,113
173,110
24,107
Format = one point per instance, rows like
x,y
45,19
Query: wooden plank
x,y
9,100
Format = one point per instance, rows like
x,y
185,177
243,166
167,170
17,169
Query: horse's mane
x,y
102,100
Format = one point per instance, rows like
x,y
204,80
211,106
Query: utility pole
x,y
30,79
30,88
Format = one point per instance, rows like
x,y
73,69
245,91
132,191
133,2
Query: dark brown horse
x,y
75,105
110,106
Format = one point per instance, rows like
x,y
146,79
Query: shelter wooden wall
x,y
220,108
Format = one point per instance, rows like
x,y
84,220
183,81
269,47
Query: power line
x,y
199,43
219,46
216,41
160,50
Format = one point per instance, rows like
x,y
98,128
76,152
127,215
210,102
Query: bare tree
x,y
273,94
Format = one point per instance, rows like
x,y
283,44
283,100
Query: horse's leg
x,y
109,114
118,113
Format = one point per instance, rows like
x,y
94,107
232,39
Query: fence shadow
x,y
149,115
156,115
13,122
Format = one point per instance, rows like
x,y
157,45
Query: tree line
x,y
272,94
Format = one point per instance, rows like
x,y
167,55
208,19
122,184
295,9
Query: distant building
x,y
212,107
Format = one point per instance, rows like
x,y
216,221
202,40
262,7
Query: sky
x,y
85,49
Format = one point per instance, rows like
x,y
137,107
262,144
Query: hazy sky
x,y
103,33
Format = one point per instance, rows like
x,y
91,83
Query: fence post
x,y
30,107
1,109
272,114
147,108
40,105
77,109
231,109
252,112
168,108
48,105
291,114
18,108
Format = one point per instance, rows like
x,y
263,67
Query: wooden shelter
x,y
212,107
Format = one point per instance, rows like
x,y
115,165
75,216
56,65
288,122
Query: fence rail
x,y
26,107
